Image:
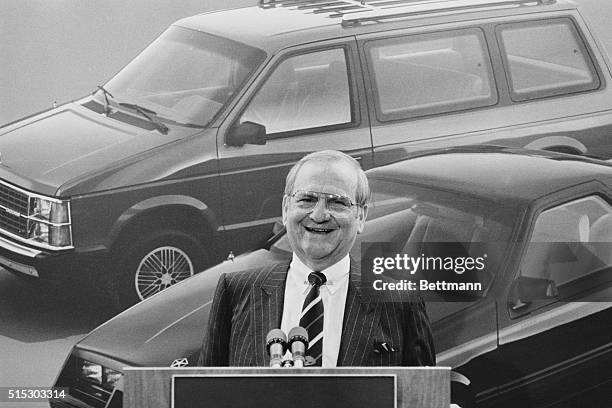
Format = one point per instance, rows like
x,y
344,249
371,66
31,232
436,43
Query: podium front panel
x,y
297,390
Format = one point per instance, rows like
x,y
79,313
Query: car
x,y
536,334
179,160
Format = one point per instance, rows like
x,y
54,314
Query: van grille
x,y
11,198
14,207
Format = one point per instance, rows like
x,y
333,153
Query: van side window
x,y
545,58
305,91
430,73
570,245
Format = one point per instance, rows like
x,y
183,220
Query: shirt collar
x,y
335,274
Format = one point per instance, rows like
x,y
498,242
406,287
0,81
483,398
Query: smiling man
x,y
324,208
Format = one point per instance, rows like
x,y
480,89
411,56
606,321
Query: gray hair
x,y
362,192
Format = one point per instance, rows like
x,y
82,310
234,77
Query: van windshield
x,y
184,76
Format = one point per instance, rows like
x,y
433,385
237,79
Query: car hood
x,y
169,325
43,152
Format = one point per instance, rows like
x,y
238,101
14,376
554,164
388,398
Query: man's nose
x,y
320,213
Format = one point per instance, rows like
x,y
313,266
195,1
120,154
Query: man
x,y
324,208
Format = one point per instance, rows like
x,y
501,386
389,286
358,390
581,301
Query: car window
x,y
569,243
305,91
545,58
430,73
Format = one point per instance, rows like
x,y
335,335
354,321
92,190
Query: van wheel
x,y
153,264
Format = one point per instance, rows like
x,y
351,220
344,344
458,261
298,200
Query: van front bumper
x,y
45,264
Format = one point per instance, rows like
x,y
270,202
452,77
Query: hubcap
x,y
160,269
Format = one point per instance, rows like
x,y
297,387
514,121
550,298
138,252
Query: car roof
x,y
496,173
274,25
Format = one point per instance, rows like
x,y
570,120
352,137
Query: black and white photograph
x,y
161,169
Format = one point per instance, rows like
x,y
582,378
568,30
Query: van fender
x,y
167,203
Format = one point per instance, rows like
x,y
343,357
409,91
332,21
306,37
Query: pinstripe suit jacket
x,y
248,304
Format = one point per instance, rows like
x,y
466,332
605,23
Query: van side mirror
x,y
246,133
525,290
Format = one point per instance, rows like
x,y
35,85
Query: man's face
x,y
318,236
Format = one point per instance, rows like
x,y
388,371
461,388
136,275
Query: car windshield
x,y
184,76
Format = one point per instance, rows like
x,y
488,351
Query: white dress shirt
x,y
333,295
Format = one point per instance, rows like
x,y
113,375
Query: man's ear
x,y
362,215
285,208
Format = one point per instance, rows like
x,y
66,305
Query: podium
x,y
223,387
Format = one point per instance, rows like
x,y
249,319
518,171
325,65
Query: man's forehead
x,y
335,177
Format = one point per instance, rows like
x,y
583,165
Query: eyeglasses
x,y
334,203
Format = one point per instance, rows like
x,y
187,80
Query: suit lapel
x,y
267,307
361,321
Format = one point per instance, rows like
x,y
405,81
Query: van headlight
x,y
49,222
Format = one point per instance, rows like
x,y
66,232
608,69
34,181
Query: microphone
x,y
298,343
276,345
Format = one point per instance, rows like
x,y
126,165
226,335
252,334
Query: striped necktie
x,y
312,319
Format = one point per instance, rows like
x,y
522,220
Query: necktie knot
x,y
317,278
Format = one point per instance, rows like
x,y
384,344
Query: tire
x,y
153,263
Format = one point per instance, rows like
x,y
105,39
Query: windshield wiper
x,y
107,109
147,114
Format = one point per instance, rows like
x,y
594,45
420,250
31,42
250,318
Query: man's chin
x,y
320,257
318,254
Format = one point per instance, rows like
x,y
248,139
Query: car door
x,y
555,337
309,98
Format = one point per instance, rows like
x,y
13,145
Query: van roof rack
x,y
336,8
354,12
419,8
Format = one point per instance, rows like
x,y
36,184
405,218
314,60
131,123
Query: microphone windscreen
x,y
275,336
298,332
